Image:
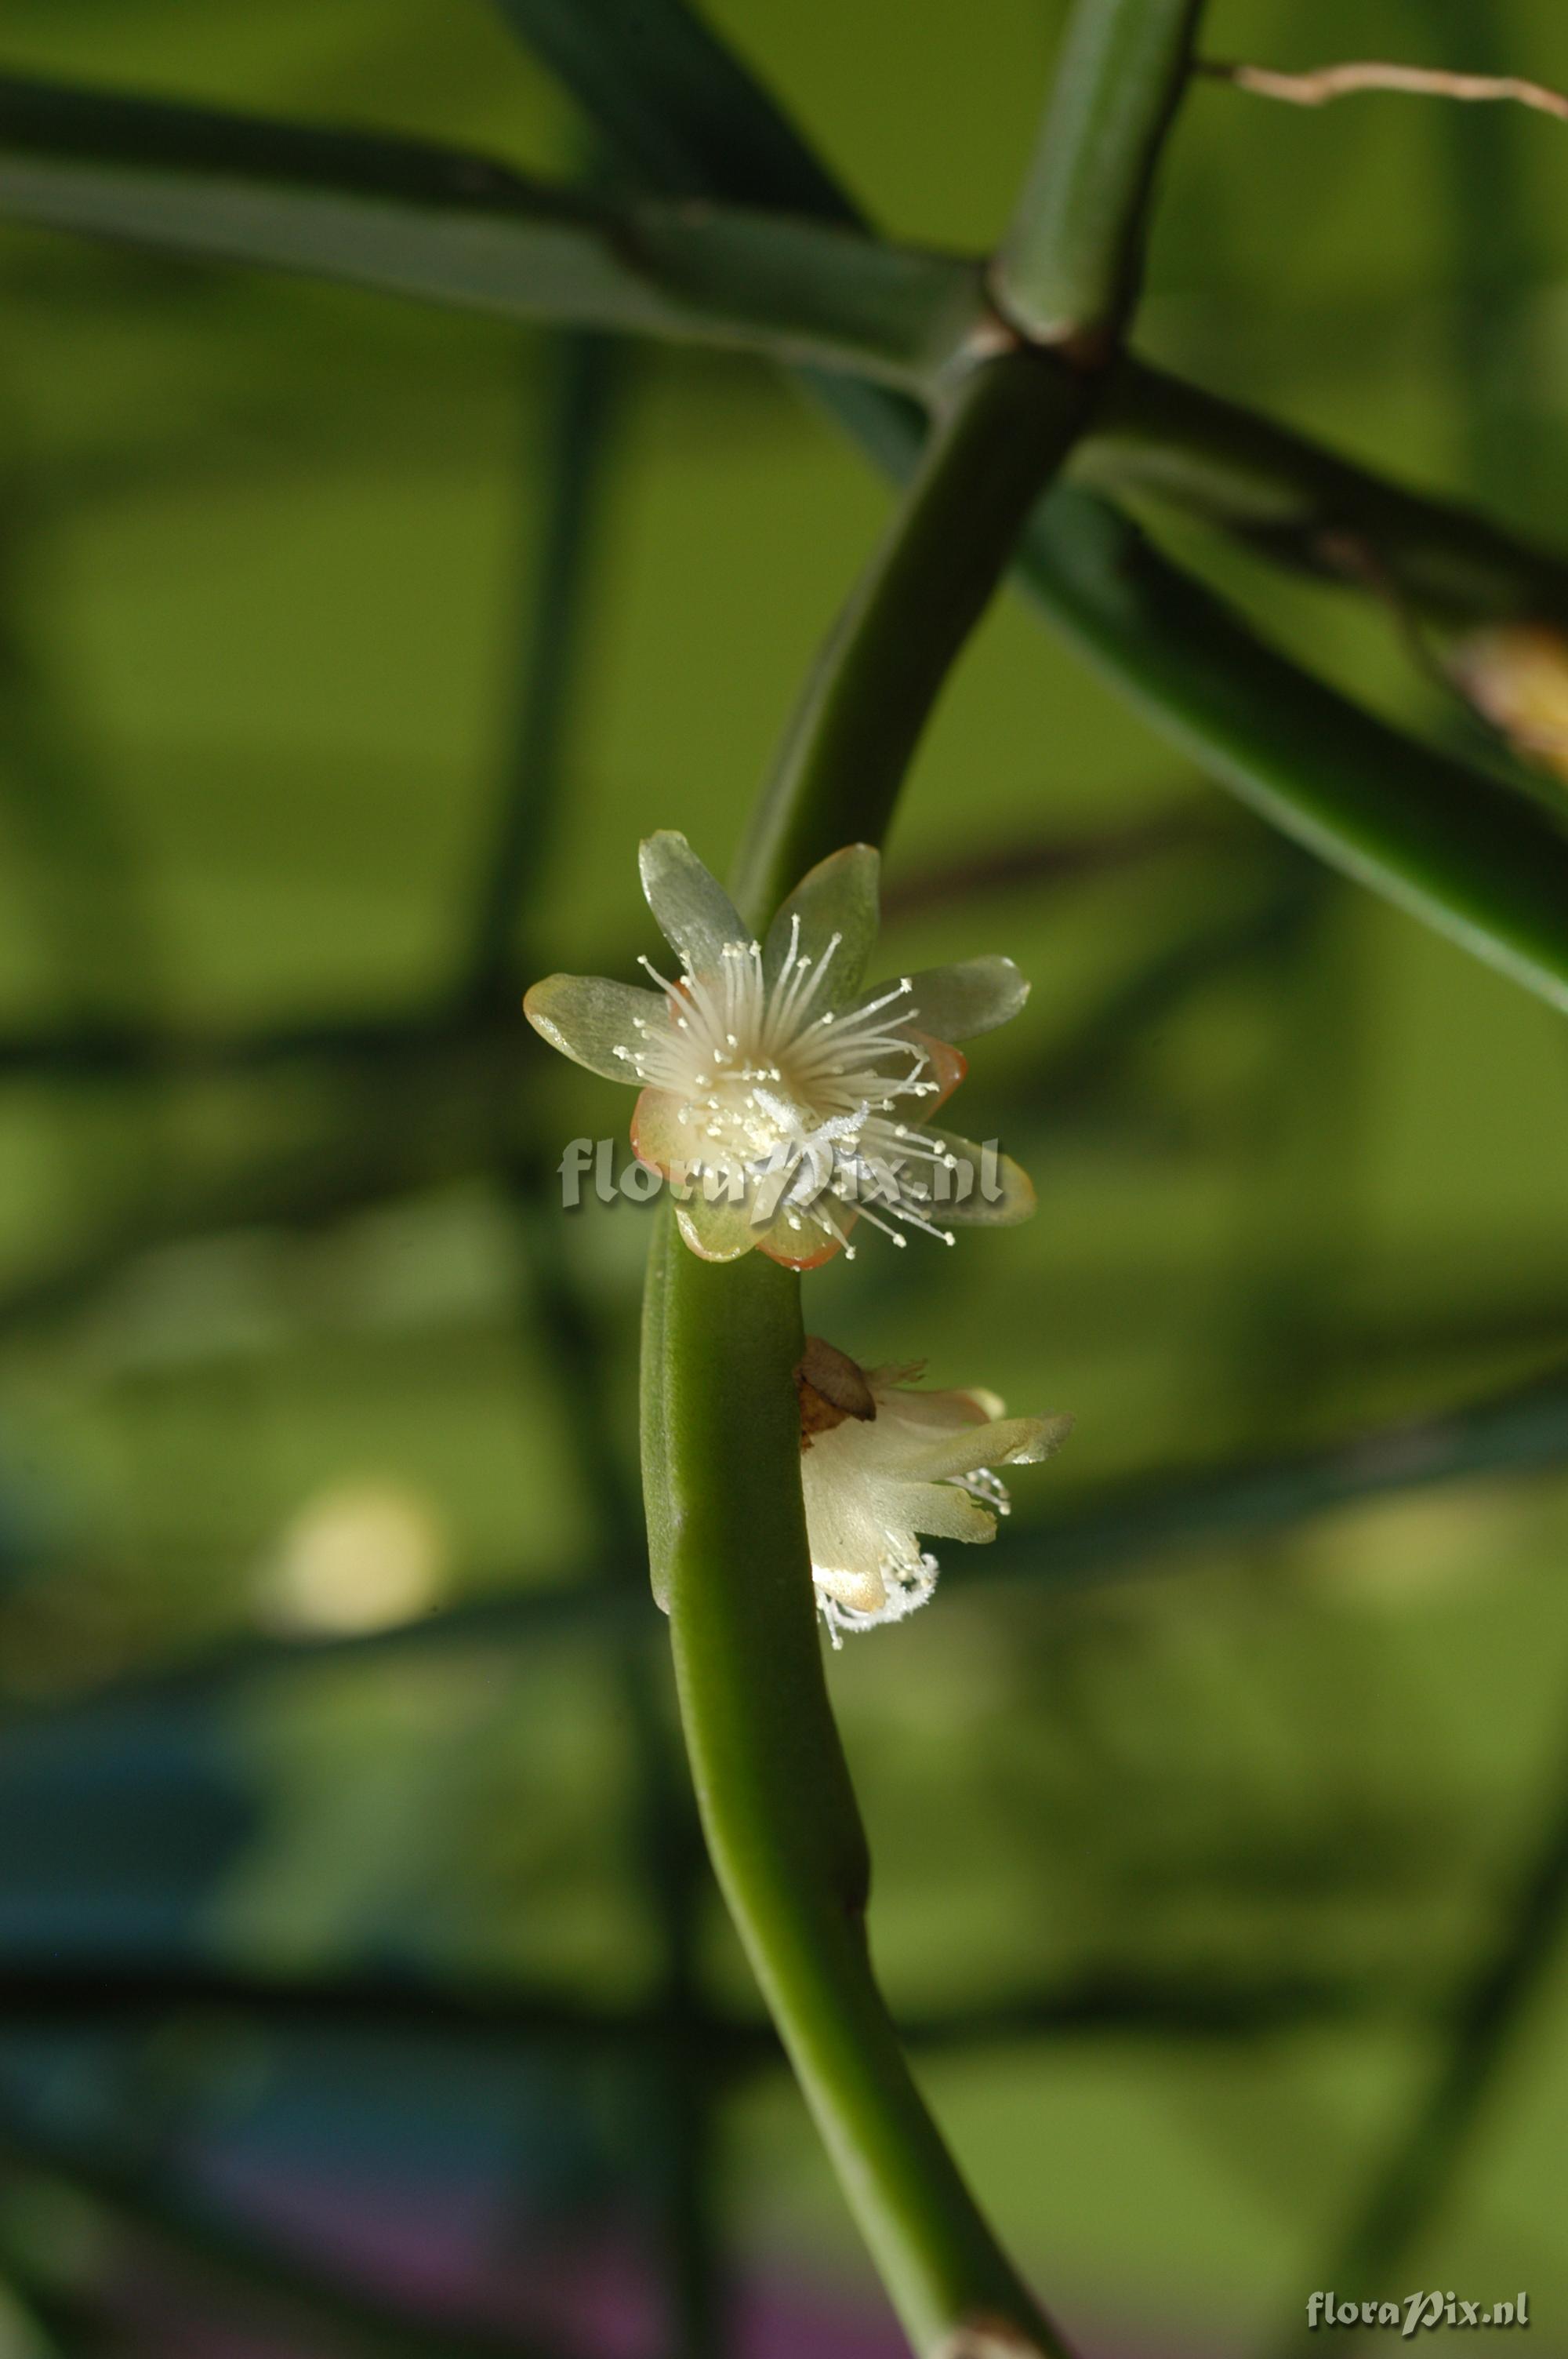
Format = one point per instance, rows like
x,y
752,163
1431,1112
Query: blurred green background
x,y
1185,1853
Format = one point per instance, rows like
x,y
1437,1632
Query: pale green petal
x,y
1000,1191
859,1593
845,1534
954,1003
957,1002
660,1139
1005,1442
588,1018
839,896
927,1414
810,1244
938,1510
1038,1437
691,909
718,1231
940,1412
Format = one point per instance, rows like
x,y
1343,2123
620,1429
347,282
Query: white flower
x,y
881,1461
779,1098
1517,675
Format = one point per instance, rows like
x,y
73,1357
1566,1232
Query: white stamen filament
x,y
779,1087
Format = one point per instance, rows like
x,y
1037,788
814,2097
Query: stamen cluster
x,y
781,1099
781,1088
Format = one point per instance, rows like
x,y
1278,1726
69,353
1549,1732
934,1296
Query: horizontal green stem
x,y
1067,271
1009,422
405,216
79,1988
417,220
727,1533
1478,865
1136,1521
1133,1523
1483,866
1304,504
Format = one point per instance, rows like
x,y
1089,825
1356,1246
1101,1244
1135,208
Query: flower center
x,y
774,1085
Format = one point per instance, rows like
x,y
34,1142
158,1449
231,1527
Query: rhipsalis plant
x,y
786,1102
780,1102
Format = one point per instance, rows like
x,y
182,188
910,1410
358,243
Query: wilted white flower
x,y
882,1461
779,1098
1516,674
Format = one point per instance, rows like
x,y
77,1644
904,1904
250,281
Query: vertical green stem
x,y
1009,424
721,1453
721,1433
721,1445
585,376
1068,269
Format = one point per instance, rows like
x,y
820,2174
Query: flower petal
x,y
847,1533
1002,1441
944,1412
691,909
806,1247
716,1230
946,1065
957,1002
858,1593
591,1019
1044,1436
1000,1192
659,1137
839,896
716,1225
938,1510
974,995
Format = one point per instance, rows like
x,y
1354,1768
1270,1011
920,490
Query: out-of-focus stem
x,y
1305,505
1408,2190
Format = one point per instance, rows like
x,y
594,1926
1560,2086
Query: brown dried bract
x,y
830,1386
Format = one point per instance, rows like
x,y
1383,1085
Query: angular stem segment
x,y
727,1533
1305,505
420,219
1483,867
1068,269
1006,428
